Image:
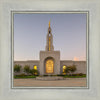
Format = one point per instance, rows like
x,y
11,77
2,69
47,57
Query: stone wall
x,y
53,54
31,63
80,65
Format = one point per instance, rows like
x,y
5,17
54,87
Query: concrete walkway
x,y
68,82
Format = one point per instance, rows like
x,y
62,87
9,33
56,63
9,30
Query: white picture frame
x,y
50,12
8,93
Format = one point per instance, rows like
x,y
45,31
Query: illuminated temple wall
x,y
80,65
55,55
31,63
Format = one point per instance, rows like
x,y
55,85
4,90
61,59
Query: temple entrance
x,y
49,65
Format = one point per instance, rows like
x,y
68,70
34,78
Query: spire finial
x,y
49,23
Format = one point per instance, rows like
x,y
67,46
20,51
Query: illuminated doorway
x,y
49,66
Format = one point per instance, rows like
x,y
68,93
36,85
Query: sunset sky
x,y
68,30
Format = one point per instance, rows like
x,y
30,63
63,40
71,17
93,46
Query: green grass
x,y
66,76
17,77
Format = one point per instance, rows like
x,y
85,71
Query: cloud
x,y
76,59
79,59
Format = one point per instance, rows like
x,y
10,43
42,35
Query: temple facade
x,y
50,63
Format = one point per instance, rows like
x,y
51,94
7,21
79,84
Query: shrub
x,y
33,71
27,69
74,74
73,68
80,74
60,75
21,75
17,68
45,75
54,75
67,69
70,69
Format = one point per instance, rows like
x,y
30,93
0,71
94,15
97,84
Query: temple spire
x,y
49,23
49,42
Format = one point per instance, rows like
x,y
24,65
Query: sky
x,y
68,30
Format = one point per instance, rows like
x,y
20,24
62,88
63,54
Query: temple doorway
x,y
49,66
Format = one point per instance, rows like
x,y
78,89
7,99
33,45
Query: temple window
x,y
35,67
64,67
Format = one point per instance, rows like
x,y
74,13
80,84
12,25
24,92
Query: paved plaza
x,y
68,82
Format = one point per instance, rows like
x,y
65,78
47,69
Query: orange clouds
x,y
76,59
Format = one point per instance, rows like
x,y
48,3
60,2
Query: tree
x,y
73,68
27,69
33,71
66,70
17,68
70,69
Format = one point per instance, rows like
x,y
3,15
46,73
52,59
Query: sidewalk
x,y
68,82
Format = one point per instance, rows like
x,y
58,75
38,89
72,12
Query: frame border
x,y
49,12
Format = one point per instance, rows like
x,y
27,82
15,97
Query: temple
x,y
50,63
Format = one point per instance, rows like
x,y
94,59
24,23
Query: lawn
x,y
16,77
67,76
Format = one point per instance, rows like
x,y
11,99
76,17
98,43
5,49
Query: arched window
x,y
35,67
64,67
